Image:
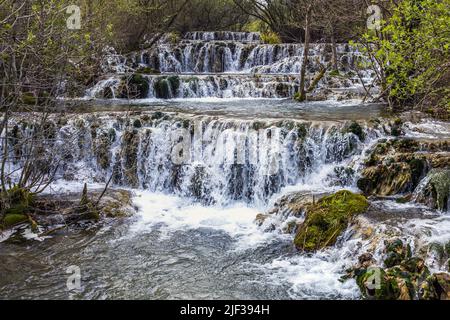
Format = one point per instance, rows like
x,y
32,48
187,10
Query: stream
x,y
194,234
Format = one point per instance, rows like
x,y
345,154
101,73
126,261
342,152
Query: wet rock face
x,y
404,277
130,146
396,253
102,147
135,86
294,203
437,287
397,166
327,219
435,190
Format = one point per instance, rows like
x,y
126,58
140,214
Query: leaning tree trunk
x,y
334,51
302,93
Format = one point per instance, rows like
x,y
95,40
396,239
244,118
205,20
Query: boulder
x,y
405,277
393,167
435,190
327,219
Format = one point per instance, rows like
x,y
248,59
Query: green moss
x,y
258,125
302,131
11,219
375,284
20,200
28,98
174,84
396,252
408,278
147,70
327,219
334,73
157,115
139,84
405,145
162,88
440,183
357,130
137,123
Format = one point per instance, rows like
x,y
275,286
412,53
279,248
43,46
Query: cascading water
x,y
202,171
228,65
214,160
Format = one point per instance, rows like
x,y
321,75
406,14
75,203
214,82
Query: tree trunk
x,y
334,52
302,93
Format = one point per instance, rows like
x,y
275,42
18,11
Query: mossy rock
x,y
357,130
302,130
436,287
396,127
396,253
137,86
86,208
115,203
258,125
328,218
137,123
147,70
442,253
20,200
375,284
12,219
158,115
175,83
387,179
409,279
167,87
435,193
162,89
393,167
130,146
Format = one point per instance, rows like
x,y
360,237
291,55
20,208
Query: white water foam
x,y
317,276
175,213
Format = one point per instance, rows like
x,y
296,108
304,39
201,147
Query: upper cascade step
x,y
223,36
228,65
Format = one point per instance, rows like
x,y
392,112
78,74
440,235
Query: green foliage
x,y
270,38
334,73
255,26
412,50
48,51
28,98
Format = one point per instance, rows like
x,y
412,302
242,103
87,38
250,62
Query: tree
x,y
411,55
40,59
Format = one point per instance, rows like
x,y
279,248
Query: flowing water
x,y
201,170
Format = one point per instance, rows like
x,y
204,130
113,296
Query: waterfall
x,y
230,65
211,56
211,159
223,36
